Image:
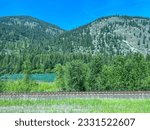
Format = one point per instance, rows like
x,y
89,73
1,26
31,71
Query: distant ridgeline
x,y
29,44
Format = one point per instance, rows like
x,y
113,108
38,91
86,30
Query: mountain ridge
x,y
31,17
129,21
19,33
110,35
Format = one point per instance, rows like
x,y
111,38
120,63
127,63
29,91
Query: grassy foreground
x,y
27,86
75,105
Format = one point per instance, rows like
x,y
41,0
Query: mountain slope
x,y
26,34
109,35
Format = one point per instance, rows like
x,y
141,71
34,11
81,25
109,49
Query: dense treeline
x,y
37,63
81,72
131,72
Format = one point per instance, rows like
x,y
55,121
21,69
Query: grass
x,y
75,105
64,105
30,86
47,87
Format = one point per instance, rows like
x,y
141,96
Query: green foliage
x,y
95,70
145,84
27,85
30,86
19,86
59,70
40,63
93,73
2,86
46,87
74,76
26,78
127,73
107,79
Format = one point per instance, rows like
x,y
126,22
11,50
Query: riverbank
x,y
29,86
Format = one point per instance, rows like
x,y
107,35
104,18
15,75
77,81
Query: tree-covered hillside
x,y
24,34
109,35
27,43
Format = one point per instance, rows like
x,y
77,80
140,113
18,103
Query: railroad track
x,y
61,95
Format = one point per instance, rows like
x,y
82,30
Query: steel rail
x,y
59,95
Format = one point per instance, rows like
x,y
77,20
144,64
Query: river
x,y
48,77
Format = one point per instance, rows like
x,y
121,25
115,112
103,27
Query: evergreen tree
x,y
76,76
95,71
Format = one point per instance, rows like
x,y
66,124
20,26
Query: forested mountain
x,y
109,35
27,43
19,34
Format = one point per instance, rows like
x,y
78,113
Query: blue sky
x,y
69,14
